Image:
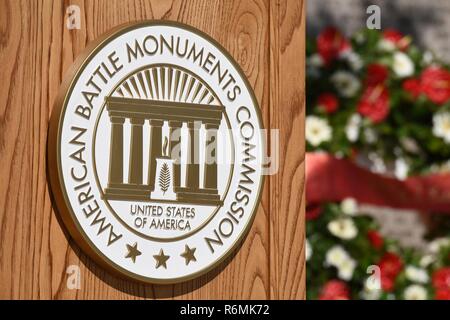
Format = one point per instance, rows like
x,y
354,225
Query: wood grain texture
x,y
287,112
265,37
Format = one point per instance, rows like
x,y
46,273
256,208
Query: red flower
x,y
328,102
313,211
441,278
413,87
435,83
397,38
374,103
376,74
390,265
375,239
442,294
387,283
335,290
331,43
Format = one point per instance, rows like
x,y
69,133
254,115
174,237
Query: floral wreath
x,y
378,98
379,101
347,258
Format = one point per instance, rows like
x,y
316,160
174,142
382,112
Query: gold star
x,y
133,252
188,254
161,259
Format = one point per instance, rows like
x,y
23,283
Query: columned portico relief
x,y
188,103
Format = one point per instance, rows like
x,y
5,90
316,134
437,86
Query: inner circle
x,y
142,111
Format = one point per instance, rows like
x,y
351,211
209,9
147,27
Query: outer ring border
x,y
54,134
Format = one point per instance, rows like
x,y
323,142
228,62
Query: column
x,y
210,172
135,170
116,151
175,150
155,150
192,174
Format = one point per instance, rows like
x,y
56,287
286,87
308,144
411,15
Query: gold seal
x,y
155,152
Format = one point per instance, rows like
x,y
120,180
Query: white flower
x,y
426,260
402,65
441,126
372,288
352,128
346,269
427,58
349,206
373,282
343,228
308,250
369,294
317,130
315,60
313,65
336,256
370,135
415,292
401,169
353,59
346,83
410,144
385,45
436,245
377,163
416,274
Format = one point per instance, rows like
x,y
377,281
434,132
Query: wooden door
x,y
266,37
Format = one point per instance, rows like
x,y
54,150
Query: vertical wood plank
x,y
35,51
287,112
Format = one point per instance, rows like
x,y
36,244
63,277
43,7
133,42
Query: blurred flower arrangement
x,y
347,258
378,95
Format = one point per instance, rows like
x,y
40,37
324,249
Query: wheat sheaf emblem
x,y
164,178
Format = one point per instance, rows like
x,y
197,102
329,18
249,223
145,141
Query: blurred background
x,y
428,21
378,150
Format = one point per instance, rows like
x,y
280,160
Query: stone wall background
x,y
428,21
